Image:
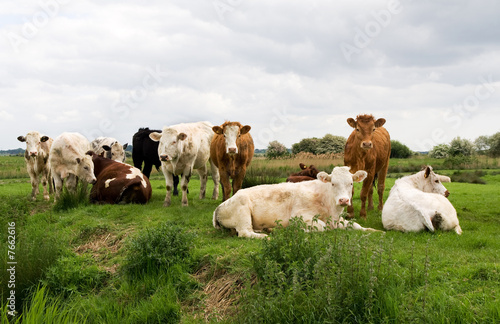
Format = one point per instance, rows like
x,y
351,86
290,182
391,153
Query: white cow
x,y
70,157
417,202
182,148
111,148
36,156
261,207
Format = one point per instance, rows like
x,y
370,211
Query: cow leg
x,y
45,182
34,185
226,185
71,183
381,188
169,182
367,185
350,208
147,168
58,184
238,181
184,186
176,184
216,178
370,198
203,172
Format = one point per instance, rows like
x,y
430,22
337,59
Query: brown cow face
x,y
365,126
231,134
33,141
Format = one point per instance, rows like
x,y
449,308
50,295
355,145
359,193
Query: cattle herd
x,y
416,202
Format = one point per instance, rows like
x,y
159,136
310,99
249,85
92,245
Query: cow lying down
x,y
259,208
417,202
118,182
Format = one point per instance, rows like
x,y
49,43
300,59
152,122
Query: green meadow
x,y
83,263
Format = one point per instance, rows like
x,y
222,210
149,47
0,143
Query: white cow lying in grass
x,y
417,202
259,208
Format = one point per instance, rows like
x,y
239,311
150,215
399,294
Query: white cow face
x,y
33,141
171,144
85,168
231,132
115,151
341,181
428,181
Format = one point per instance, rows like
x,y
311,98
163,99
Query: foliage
x,y
461,147
157,249
328,144
399,150
468,177
275,150
494,142
68,200
440,151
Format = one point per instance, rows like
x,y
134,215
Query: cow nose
x,y
33,153
367,145
232,150
344,201
164,157
446,193
93,182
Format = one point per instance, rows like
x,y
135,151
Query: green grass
x,y
80,255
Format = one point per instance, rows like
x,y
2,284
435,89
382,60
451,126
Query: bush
x,y
331,144
276,150
441,151
461,147
494,142
68,201
157,249
399,150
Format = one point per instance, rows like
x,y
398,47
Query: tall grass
x,y
68,200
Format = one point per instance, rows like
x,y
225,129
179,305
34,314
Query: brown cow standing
x,y
231,151
118,183
368,148
308,173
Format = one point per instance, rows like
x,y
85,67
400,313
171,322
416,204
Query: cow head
x,y
115,151
171,144
231,132
85,168
33,141
309,171
341,180
365,126
428,181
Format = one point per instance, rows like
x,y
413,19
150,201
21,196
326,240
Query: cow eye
x,y
437,181
373,129
86,168
357,129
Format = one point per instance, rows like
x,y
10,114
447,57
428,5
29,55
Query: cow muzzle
x,y
33,153
366,145
164,158
232,150
343,202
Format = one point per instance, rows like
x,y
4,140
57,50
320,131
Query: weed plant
x,y
68,200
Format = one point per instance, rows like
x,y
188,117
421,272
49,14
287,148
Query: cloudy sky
x,y
291,69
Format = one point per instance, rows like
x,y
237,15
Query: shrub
x,y
69,201
494,142
331,144
441,151
468,177
399,150
157,249
461,147
275,150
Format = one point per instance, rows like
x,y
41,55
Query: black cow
x,y
146,150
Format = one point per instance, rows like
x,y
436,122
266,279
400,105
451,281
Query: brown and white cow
x,y
320,203
231,151
36,157
70,158
308,173
118,182
418,202
183,148
110,147
368,148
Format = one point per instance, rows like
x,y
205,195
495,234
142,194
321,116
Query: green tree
x,y
459,146
482,144
440,151
275,150
494,142
306,145
399,150
331,144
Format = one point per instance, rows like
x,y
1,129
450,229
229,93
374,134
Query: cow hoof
x,y
185,204
166,204
46,198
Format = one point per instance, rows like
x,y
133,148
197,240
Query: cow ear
x,y
125,146
324,177
21,139
44,139
155,136
443,178
182,136
351,122
218,130
78,160
380,122
106,148
359,176
245,129
427,172
302,166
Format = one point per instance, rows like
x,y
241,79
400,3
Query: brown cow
x,y
368,148
308,173
231,151
118,183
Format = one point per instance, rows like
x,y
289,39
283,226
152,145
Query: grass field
x,y
150,264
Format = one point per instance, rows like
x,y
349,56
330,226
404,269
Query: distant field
x,y
78,254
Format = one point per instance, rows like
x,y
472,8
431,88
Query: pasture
x,y
151,264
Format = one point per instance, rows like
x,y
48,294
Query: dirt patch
x,y
102,247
